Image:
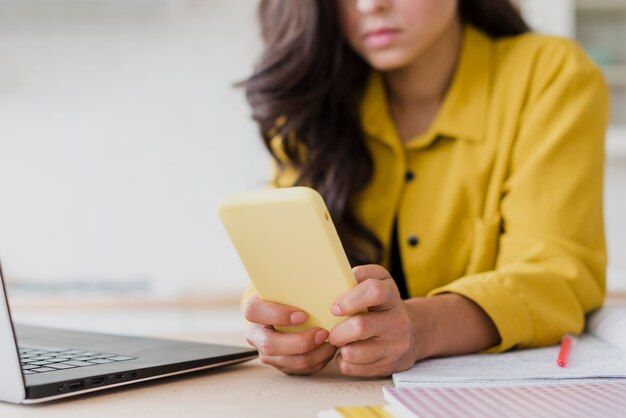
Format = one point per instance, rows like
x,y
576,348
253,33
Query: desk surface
x,y
247,390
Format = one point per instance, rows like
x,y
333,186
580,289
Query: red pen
x,y
566,345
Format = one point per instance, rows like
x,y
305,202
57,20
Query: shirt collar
x,y
464,109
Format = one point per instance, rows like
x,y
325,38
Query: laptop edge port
x,y
76,385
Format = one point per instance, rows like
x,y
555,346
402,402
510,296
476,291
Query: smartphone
x,y
290,249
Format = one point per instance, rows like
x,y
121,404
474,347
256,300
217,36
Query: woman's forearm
x,y
451,324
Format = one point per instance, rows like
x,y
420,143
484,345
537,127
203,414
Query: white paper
x,y
590,358
609,324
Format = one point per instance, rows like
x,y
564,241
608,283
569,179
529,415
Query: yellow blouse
x,y
501,200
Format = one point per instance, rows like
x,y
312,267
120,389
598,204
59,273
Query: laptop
x,y
40,364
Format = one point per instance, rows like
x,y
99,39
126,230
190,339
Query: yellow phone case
x,y
290,250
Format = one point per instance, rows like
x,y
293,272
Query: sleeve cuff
x,y
505,309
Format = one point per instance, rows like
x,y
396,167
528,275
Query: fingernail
x,y
336,310
320,336
297,317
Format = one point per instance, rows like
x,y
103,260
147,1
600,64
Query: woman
x,y
461,158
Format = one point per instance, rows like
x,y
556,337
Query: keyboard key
x,y
61,366
104,355
78,363
58,360
40,363
101,361
43,369
68,352
122,358
29,366
29,372
83,358
40,358
90,353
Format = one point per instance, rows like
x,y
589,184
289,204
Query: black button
x,y
409,175
413,241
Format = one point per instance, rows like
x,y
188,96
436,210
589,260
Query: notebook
x,y
607,400
597,355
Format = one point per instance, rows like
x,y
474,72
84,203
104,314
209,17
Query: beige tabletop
x,y
247,390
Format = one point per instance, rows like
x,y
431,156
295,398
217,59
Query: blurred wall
x,y
615,208
119,131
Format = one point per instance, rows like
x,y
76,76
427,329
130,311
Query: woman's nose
x,y
372,6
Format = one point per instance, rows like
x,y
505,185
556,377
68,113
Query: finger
x,y
370,271
268,313
358,328
376,369
274,343
308,363
363,352
367,294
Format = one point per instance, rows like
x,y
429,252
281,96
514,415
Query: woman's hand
x,y
297,353
384,340
394,334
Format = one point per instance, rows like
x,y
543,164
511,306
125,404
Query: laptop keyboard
x,y
41,360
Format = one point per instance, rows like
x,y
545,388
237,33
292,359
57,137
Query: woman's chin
x,y
387,61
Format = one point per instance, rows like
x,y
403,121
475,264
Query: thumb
x,y
370,271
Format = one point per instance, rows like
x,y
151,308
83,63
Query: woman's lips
x,y
380,38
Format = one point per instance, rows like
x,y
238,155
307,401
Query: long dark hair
x,y
306,89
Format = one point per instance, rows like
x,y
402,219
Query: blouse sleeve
x,y
551,260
